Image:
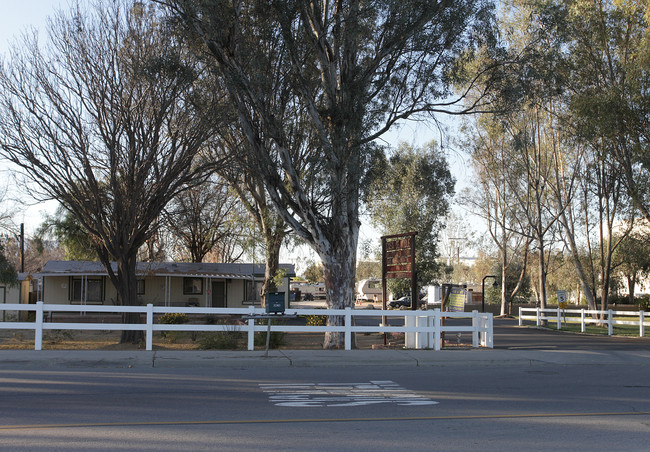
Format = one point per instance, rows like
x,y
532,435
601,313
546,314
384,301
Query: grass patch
x,y
590,328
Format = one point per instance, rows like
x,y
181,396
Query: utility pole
x,y
455,242
22,247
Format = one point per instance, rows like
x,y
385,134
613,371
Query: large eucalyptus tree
x,y
345,71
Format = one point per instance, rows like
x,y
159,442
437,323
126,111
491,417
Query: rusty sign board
x,y
398,261
398,256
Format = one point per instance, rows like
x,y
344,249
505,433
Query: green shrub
x,y
617,299
57,336
173,318
221,340
643,301
316,320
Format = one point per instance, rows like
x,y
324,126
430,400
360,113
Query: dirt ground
x,y
110,340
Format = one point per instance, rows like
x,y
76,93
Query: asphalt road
x,y
449,406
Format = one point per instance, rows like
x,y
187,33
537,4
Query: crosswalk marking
x,y
342,394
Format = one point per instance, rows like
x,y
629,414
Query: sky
x,y
17,16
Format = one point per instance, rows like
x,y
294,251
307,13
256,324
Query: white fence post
x,y
610,326
348,328
149,331
538,319
436,329
38,330
521,321
475,327
490,333
251,329
559,318
431,328
582,320
641,324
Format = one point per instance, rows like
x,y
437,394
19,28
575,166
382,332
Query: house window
x,y
192,286
252,292
94,290
140,287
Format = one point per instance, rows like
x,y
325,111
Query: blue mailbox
x,y
275,303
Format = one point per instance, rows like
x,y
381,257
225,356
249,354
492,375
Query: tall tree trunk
x,y
631,283
542,275
273,238
127,291
504,266
569,239
605,282
339,272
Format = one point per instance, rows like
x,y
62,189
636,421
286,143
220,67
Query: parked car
x,y
400,303
405,302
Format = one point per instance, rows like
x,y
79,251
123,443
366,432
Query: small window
x,y
94,290
253,290
192,286
140,287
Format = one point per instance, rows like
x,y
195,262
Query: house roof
x,y
177,269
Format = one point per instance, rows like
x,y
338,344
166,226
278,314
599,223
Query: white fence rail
x,y
584,317
423,328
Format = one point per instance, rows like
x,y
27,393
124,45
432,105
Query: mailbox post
x,y
274,309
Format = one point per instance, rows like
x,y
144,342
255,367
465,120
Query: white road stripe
x,y
342,394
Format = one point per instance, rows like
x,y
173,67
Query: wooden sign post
x,y
398,261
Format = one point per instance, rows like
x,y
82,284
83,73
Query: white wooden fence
x,y
584,317
425,327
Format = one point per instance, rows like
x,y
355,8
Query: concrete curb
x,y
83,359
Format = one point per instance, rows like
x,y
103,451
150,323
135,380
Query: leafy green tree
x,y
411,191
66,230
562,274
8,275
368,269
607,46
314,273
632,258
491,198
255,200
587,59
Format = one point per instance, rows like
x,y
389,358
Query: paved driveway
x,y
509,335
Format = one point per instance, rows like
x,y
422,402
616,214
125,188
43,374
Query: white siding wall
x,y
56,291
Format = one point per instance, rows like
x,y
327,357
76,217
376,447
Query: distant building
x,y
641,228
369,290
308,291
463,260
159,283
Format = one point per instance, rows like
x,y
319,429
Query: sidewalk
x,y
83,359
